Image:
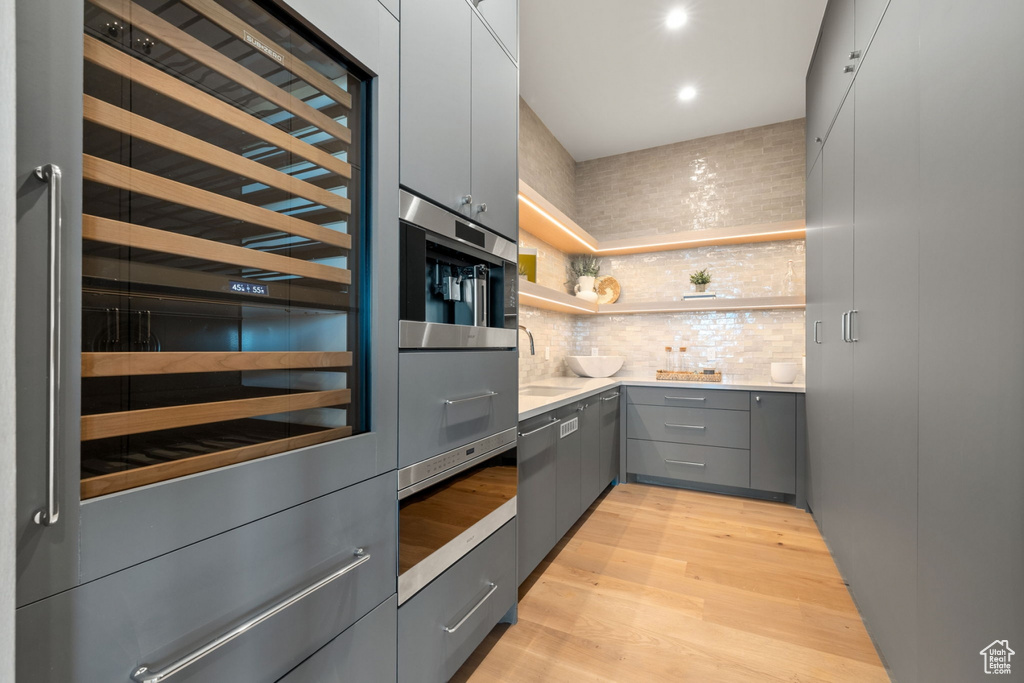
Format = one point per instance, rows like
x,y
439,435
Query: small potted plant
x,y
701,279
583,272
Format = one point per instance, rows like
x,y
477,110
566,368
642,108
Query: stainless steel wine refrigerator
x,y
207,194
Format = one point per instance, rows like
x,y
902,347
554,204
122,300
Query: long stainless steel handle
x,y
700,427
453,629
685,462
846,316
684,398
610,398
539,429
817,326
144,675
48,516
852,315
450,402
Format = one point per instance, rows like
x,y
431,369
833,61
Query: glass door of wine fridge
x,y
193,291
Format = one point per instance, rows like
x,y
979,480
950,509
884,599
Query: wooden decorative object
x,y
671,376
608,290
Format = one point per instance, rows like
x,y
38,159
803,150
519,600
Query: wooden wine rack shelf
x,y
103,425
124,364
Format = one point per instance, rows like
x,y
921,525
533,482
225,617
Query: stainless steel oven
x,y
458,281
451,503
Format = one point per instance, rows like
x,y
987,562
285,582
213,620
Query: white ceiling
x,y
604,75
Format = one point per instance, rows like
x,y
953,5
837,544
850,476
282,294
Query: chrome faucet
x,y
530,335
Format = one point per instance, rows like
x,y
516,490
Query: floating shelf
x,y
544,220
532,294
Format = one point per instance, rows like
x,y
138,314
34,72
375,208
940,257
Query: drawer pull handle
x,y
539,429
685,462
684,398
144,675
700,427
451,402
453,629
611,398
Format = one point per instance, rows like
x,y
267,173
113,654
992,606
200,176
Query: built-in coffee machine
x,y
458,281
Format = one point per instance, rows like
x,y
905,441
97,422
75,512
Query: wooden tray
x,y
671,376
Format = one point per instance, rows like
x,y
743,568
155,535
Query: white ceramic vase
x,y
585,288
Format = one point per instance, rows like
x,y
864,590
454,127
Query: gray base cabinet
x,y
773,428
367,651
610,433
536,494
567,478
439,627
162,610
591,481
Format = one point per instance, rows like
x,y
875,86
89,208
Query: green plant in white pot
x,y
701,279
583,271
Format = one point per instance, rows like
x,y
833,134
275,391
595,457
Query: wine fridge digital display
x,y
222,234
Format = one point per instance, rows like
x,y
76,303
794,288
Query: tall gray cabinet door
x,y
773,442
503,18
827,80
590,452
882,477
495,135
813,345
838,501
535,509
971,469
568,476
435,100
49,131
610,434
867,14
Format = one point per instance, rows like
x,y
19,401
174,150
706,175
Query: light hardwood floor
x,y
660,584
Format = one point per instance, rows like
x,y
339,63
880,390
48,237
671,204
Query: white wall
x,y
7,449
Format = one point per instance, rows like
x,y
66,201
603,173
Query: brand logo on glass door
x,y
256,43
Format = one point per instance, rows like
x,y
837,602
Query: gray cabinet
x,y
698,426
867,14
503,18
813,344
689,463
830,73
591,481
447,399
439,627
568,490
495,132
970,496
610,436
773,442
159,611
365,652
535,505
436,100
459,112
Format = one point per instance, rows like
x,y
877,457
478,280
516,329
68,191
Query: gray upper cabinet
x,y
436,105
773,442
830,73
535,509
495,134
503,18
971,471
459,113
867,14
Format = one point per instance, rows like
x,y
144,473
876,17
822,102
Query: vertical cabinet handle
x,y
51,175
817,326
853,313
846,315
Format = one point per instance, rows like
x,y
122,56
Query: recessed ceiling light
x,y
675,19
687,93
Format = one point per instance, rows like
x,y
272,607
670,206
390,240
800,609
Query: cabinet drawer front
x,y
365,652
723,399
448,399
727,428
160,611
440,626
705,464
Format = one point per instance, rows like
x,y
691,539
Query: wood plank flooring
x,y
660,584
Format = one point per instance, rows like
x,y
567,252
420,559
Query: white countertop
x,y
576,388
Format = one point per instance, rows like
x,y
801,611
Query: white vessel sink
x,y
595,366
